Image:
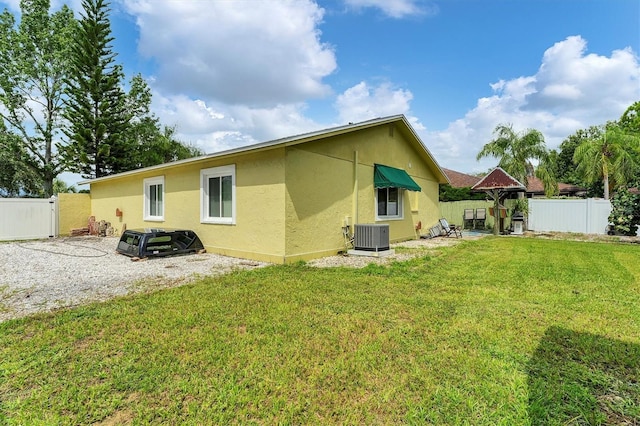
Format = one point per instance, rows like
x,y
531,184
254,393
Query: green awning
x,y
390,177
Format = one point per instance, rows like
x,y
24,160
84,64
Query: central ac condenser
x,y
371,237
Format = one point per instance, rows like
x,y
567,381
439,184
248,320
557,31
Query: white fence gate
x,y
28,218
588,216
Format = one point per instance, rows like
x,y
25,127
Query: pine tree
x,y
96,107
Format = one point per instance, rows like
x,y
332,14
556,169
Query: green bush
x,y
625,213
449,193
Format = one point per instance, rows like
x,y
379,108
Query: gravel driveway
x,y
38,276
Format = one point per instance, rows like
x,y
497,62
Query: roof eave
x,y
284,142
440,175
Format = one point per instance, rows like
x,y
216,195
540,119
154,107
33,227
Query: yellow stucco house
x,y
284,200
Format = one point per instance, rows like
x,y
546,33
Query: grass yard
x,y
511,331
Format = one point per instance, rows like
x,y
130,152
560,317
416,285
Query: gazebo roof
x,y
500,180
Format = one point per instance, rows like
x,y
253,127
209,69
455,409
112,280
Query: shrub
x,y
625,213
449,193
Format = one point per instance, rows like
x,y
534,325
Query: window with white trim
x,y
154,199
389,203
218,195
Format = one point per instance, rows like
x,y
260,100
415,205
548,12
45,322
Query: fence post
x,y
53,217
588,212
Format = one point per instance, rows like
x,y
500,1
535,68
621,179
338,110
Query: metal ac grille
x,y
371,237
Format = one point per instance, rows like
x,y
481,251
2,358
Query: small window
x,y
154,199
218,190
389,203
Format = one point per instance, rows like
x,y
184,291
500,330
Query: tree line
x,y
63,102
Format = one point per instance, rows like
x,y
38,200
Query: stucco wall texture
x,y
73,212
291,199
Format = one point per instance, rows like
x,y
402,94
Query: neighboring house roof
x,y
498,179
461,180
535,186
400,120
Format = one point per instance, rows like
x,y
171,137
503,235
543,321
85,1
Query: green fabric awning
x,y
388,177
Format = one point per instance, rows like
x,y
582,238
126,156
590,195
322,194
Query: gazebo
x,y
498,184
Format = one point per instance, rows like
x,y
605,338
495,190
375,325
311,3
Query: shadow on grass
x,y
581,378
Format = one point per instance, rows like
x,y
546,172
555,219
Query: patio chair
x,y
468,219
435,231
481,216
449,230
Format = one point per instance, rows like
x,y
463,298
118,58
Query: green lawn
x,y
495,331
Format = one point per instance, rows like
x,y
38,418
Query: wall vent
x,y
371,237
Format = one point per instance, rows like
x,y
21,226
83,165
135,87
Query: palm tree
x,y
611,157
61,187
515,152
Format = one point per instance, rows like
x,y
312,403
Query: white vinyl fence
x,y
588,216
28,218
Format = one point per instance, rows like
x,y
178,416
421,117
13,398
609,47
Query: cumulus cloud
x,y
214,126
569,78
396,8
571,90
255,53
363,102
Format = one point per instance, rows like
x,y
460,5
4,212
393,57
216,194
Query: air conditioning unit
x,y
371,237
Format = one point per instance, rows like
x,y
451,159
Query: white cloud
x,y
395,8
363,102
562,92
571,90
213,126
568,78
255,53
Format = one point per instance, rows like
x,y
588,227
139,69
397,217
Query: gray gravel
x,y
40,276
420,247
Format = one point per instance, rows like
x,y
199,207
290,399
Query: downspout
x,y
355,187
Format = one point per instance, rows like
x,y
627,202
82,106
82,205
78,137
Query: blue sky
x,y
229,73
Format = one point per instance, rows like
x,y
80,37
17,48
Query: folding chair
x,y
435,231
481,216
468,219
450,229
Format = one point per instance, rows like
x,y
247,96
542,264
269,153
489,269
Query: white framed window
x,y
389,203
153,209
218,195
